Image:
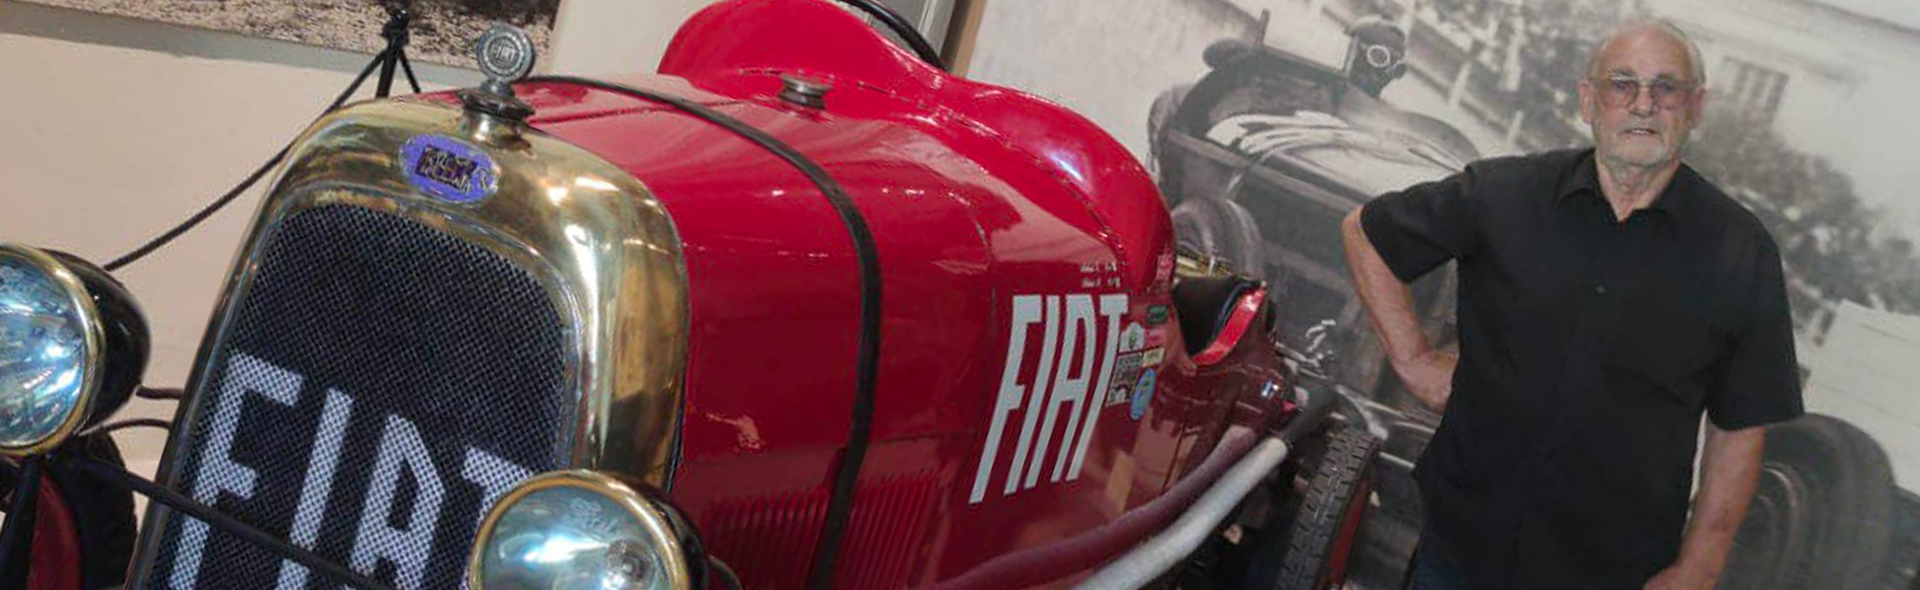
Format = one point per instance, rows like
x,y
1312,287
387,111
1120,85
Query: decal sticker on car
x,y
1133,338
1143,393
1080,338
449,169
1152,357
1104,274
1126,370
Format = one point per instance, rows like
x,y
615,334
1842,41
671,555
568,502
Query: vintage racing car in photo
x,y
802,311
1260,159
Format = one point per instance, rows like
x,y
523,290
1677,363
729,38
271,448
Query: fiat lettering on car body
x,y
1072,332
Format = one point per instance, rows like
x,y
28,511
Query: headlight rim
x,y
656,518
93,335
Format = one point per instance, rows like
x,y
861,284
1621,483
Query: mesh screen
x,y
381,383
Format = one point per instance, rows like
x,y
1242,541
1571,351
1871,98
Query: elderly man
x,y
1608,297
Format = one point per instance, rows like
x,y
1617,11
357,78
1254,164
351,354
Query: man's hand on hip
x,y
1729,465
1427,371
1430,376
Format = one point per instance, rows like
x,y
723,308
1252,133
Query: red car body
x,y
976,194
1023,253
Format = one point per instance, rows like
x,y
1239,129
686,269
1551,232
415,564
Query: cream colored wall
x,y
610,36
1060,50
113,130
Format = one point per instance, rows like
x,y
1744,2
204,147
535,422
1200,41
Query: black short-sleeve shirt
x,y
1589,349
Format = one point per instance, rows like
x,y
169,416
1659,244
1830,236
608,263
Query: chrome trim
x,y
592,235
1155,556
93,333
666,530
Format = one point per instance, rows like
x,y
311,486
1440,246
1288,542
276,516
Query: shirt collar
x,y
1674,202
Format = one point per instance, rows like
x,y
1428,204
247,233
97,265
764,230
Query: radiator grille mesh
x,y
381,382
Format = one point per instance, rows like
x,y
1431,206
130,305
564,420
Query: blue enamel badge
x,y
1142,393
448,168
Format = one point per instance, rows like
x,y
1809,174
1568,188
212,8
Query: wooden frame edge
x,y
961,34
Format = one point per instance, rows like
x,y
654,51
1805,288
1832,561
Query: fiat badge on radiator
x,y
449,169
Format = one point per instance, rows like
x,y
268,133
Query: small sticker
x,y
1156,315
1126,370
1152,357
1133,338
1142,394
449,169
1103,274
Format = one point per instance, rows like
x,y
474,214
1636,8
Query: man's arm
x,y
1428,373
1729,466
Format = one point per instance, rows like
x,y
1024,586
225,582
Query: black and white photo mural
x,y
1267,121
442,31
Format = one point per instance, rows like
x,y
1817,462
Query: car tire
x,y
1221,229
1769,550
1308,545
102,514
1848,491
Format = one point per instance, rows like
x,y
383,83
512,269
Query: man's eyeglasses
x,y
1619,91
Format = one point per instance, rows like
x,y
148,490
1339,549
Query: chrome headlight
x,y
72,347
580,530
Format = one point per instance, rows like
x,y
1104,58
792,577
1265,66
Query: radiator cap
x,y
803,91
505,54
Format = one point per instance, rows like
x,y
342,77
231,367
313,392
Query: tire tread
x,y
1306,538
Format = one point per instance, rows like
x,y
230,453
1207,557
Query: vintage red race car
x,y
801,311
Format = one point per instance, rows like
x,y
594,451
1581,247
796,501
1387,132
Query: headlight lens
x,y
50,347
578,530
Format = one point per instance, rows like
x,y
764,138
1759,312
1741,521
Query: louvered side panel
x,y
768,540
888,532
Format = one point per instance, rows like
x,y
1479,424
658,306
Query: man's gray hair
x,y
1673,30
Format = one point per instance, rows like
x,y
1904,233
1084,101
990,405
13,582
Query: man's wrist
x,y
1410,358
1699,567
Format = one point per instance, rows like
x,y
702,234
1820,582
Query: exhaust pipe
x,y
1158,555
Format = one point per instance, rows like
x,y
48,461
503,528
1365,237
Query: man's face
x,y
1641,99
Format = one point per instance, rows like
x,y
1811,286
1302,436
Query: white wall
x,y
1106,59
610,36
113,130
